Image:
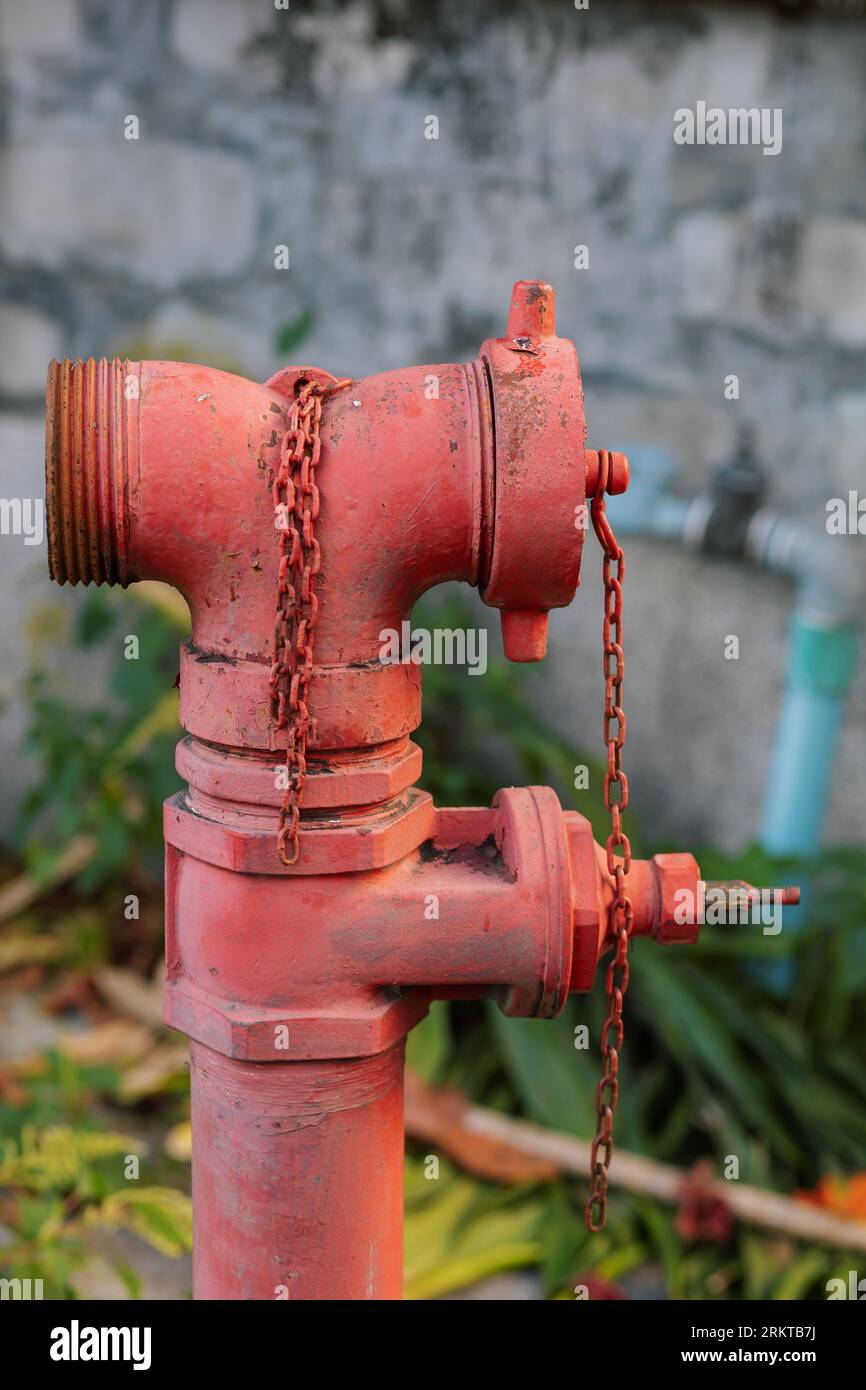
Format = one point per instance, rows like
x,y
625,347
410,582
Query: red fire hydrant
x,y
297,983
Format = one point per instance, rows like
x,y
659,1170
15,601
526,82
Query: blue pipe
x,y
821,662
822,653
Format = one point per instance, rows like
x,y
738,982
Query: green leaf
x,y
800,1274
160,1215
555,1081
428,1047
291,335
460,1232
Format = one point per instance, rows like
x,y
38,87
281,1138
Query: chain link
x,y
296,510
616,801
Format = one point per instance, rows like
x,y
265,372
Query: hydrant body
x,y
298,984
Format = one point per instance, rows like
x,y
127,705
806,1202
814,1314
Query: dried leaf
x,y
178,1142
23,948
75,992
119,1042
155,1072
129,994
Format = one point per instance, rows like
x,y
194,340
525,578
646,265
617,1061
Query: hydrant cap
x,y
539,484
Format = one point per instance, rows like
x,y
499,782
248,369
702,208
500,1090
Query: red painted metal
x,y
298,1177
298,983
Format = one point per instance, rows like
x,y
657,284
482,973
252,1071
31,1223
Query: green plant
x,y
104,768
63,1177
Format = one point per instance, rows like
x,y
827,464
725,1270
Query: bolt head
x,y
677,878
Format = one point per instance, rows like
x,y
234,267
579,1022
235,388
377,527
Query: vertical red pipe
x,y
298,1177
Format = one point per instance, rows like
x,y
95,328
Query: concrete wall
x,y
260,127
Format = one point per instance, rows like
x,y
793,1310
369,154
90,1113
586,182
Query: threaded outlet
x,y
87,438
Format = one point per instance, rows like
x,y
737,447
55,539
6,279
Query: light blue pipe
x,y
821,662
822,653
647,507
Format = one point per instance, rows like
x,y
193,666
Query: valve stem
x,y
734,894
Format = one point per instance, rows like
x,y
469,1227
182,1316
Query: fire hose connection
x,y
297,977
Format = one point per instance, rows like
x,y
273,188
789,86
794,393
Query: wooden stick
x,y
664,1182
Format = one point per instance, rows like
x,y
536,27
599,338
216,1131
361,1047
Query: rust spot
x,y
211,658
484,858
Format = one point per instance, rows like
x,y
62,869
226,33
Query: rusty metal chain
x,y
296,510
616,801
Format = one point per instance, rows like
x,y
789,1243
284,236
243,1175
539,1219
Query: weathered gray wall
x,y
307,127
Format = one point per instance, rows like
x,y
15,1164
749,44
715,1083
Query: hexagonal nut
x,y
677,879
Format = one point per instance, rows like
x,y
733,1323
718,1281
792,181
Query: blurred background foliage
x,y
718,1060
